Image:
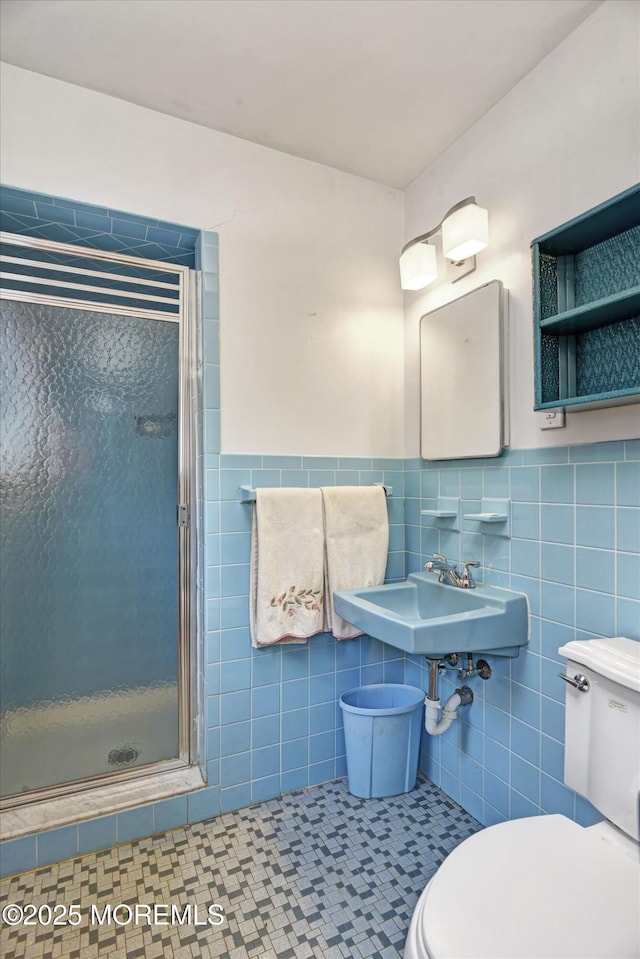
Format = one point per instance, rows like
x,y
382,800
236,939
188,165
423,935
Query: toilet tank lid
x,y
617,658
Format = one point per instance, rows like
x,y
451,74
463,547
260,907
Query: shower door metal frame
x,y
185,515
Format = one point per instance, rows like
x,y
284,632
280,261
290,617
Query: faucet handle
x,y
443,559
466,578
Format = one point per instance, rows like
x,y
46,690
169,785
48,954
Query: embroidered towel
x,y
287,556
356,545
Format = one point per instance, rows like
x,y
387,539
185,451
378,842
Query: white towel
x,y
287,554
356,545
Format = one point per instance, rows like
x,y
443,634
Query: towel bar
x,y
248,494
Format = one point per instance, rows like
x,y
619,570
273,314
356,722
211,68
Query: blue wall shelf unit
x,y
586,304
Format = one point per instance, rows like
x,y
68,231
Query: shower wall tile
x,y
68,221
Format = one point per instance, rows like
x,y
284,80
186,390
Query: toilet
x,y
544,887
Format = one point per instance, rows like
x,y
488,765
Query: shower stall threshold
x,y
99,800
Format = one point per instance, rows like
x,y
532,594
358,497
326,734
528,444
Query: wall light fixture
x,y
465,231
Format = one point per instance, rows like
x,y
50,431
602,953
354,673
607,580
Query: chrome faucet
x,y
450,573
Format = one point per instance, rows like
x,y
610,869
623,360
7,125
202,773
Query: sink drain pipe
x,y
434,723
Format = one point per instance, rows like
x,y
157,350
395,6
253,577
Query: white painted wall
x,y
566,138
311,310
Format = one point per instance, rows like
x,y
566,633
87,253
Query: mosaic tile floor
x,y
317,874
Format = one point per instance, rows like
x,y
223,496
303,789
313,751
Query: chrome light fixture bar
x,y
465,231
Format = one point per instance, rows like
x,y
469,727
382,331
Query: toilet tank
x,y
602,728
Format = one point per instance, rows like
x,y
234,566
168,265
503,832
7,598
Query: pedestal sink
x,y
434,619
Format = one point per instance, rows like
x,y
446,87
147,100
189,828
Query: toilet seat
x,y
536,888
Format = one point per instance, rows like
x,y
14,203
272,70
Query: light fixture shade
x,y
465,232
418,266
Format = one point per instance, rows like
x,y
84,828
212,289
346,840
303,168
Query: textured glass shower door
x,y
89,551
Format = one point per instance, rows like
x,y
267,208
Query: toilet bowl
x,y
536,888
545,887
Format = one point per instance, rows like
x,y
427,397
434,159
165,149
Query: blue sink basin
x,y
434,619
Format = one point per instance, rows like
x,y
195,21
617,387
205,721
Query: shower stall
x,y
95,562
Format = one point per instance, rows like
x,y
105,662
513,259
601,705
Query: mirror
x,y
463,373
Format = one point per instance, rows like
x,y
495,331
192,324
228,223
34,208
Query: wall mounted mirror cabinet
x,y
463,355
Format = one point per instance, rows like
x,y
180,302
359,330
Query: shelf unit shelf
x,y
446,512
487,517
591,401
602,312
587,356
493,518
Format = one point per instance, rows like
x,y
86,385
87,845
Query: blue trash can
x,y
382,726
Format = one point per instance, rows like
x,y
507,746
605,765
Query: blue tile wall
x,y
274,724
18,855
208,496
83,224
575,552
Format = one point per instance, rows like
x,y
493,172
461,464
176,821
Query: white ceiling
x,y
379,88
